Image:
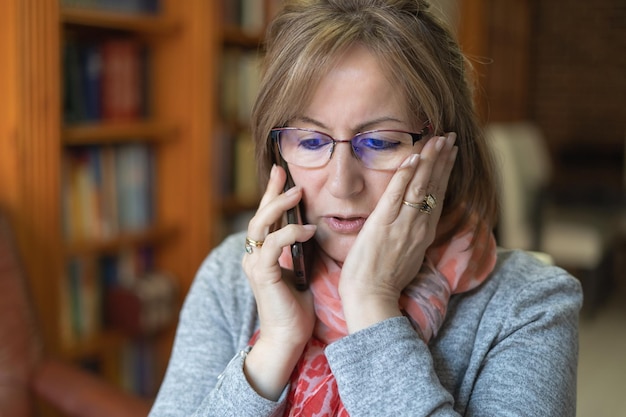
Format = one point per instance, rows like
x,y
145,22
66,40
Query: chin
x,y
337,247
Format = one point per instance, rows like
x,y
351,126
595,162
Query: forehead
x,y
355,88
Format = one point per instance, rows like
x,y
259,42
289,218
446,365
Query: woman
x,y
411,310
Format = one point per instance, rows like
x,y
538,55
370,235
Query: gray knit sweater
x,y
507,348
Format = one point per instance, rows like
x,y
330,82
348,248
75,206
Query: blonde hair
x,y
418,53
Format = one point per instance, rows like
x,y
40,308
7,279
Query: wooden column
x,y
496,37
184,91
30,148
473,33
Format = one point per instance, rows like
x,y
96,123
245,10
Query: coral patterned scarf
x,y
452,268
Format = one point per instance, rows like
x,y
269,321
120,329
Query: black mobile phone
x,y
300,251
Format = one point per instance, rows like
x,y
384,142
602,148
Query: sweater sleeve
x,y
386,369
205,373
531,367
518,357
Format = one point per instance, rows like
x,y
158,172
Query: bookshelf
x,y
171,130
244,23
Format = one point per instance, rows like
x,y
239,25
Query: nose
x,y
345,171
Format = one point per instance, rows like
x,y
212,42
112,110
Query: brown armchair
x,y
27,375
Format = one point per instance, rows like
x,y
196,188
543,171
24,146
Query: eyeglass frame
x,y
427,129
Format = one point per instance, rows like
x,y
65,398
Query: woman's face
x,y
353,97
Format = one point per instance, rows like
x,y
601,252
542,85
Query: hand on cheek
x,y
389,250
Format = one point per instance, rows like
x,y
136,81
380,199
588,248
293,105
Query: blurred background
x,y
125,156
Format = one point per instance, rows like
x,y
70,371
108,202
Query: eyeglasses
x,y
376,149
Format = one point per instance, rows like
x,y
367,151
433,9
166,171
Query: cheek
x,y
310,180
376,184
306,178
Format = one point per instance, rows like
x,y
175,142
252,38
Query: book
x,y
245,175
119,290
252,16
130,6
249,80
81,216
139,368
107,190
222,166
228,88
121,80
105,81
66,312
73,95
84,297
80,3
230,12
121,6
91,78
143,308
134,184
240,77
248,15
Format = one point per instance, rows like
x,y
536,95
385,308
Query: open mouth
x,y
345,224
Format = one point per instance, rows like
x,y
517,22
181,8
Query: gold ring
x,y
426,206
251,243
414,205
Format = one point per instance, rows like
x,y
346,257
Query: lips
x,y
348,225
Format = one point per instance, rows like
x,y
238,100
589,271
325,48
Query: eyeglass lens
x,y
379,149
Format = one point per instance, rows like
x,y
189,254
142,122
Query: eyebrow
x,y
359,128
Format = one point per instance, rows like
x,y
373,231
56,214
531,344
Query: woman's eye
x,y
377,144
312,143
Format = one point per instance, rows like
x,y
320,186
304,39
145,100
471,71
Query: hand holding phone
x,y
300,252
297,252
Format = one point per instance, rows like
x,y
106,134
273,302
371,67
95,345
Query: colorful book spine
x,y
118,291
73,96
84,298
246,179
105,81
91,74
249,15
135,178
121,80
120,6
107,190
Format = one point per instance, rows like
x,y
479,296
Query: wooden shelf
x,y
183,45
238,45
102,343
138,23
154,235
100,133
233,205
234,36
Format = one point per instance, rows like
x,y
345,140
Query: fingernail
x,y
441,140
311,227
273,171
411,160
292,190
451,138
